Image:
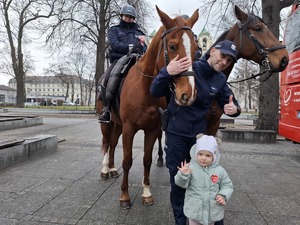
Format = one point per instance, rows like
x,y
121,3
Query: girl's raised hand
x,y
184,168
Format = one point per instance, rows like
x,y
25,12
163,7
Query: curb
x,y
28,148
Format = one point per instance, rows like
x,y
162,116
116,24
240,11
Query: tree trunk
x,y
269,89
101,45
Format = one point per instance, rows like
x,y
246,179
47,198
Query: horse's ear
x,y
165,19
193,19
240,15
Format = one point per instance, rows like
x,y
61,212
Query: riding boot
x,y
104,116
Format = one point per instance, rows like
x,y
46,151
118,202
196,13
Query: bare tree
x,y
244,84
18,18
269,89
85,23
80,65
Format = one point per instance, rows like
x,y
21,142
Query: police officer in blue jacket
x,y
186,122
122,39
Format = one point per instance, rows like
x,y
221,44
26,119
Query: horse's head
x,y
256,42
177,38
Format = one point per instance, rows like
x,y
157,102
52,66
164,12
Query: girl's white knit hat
x,y
207,143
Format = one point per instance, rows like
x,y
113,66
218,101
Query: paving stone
x,y
65,187
6,221
275,204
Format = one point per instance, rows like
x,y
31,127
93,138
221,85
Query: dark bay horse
x,y
139,109
255,42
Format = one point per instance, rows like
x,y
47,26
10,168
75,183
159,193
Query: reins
x,y
141,72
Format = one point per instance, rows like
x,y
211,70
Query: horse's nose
x,y
284,62
183,99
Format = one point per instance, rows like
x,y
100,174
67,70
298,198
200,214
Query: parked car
x,y
67,103
28,104
37,103
53,103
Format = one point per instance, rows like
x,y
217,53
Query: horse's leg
x,y
106,130
117,131
150,138
213,117
128,135
160,161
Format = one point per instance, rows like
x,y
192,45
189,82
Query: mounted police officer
x,y
123,38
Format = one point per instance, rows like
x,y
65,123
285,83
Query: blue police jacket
x,y
188,121
120,36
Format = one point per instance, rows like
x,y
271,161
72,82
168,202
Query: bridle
x,y
172,85
260,48
166,55
165,41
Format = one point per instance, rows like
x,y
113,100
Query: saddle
x,y
116,79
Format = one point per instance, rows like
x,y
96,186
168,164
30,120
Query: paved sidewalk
x,y
65,187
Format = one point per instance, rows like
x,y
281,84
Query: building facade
x,y
7,95
58,88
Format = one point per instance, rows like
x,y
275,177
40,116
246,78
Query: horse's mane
x,y
220,38
257,17
251,17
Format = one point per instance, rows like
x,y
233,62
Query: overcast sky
x,y
177,7
171,7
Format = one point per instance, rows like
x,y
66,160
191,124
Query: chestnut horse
x,y
139,109
255,42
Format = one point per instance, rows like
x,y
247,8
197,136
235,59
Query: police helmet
x,y
128,10
184,16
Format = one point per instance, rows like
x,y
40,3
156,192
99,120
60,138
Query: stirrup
x,y
105,116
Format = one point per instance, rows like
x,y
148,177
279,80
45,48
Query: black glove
x,y
137,48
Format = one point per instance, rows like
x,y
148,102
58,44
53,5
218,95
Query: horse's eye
x,y
172,47
257,28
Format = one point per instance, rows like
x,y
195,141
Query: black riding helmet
x,y
184,16
128,10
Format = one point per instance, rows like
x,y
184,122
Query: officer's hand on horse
x,y
137,48
177,66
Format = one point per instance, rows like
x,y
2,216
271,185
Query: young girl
x,y
208,186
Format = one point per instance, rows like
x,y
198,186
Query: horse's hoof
x,y
147,201
104,176
125,204
114,174
160,162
